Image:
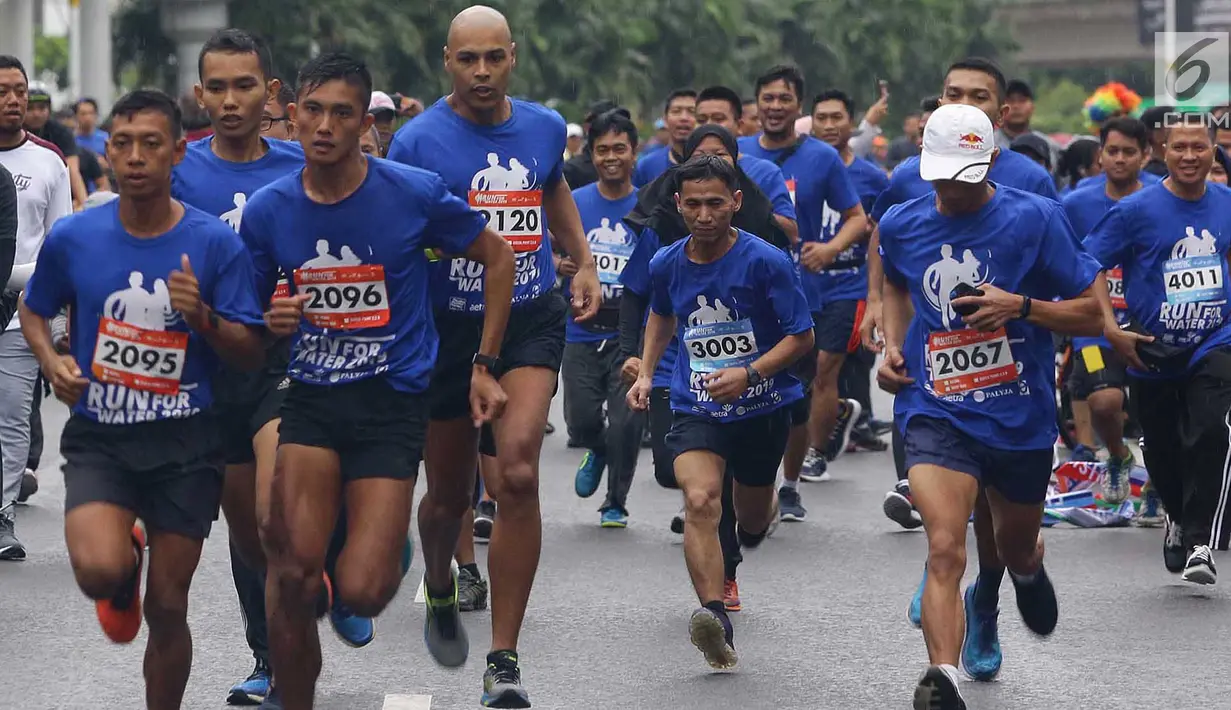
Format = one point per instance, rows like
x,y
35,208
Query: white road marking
x,y
419,596
407,702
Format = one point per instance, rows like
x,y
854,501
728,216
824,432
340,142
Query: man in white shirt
x,y
43,196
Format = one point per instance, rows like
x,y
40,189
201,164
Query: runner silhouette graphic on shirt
x,y
705,314
236,216
138,307
943,276
1192,245
325,260
604,233
497,178
830,219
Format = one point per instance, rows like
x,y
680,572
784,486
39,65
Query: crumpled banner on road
x,y
1073,497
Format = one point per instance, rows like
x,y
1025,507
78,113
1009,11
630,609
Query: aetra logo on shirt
x,y
943,276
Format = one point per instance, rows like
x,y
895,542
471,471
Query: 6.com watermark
x,y
1192,72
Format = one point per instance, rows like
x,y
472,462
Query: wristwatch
x,y
754,377
212,320
487,362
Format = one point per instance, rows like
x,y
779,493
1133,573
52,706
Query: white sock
x,y
1026,578
786,483
951,672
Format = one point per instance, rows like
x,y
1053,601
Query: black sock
x,y
987,589
717,607
496,658
473,569
749,540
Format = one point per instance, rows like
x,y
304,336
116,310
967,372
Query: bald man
x,y
505,156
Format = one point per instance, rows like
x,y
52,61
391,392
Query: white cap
x,y
381,102
958,143
574,131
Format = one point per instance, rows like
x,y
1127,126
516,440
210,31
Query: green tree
x,y
51,54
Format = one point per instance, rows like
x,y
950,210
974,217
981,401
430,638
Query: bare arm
x,y
896,315
876,269
78,185
37,331
1085,315
790,226
658,331
567,233
854,229
240,345
788,350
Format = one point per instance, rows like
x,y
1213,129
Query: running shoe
x,y
730,595
864,439
938,690
484,521
471,591
815,468
677,522
1081,452
11,548
442,629
714,638
915,611
1175,555
981,656
1117,486
253,689
1199,569
1150,512
613,518
589,474
848,415
900,507
355,631
549,428
502,686
879,426
1036,600
791,506
646,441
120,616
29,486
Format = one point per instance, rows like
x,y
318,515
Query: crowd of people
x,y
239,327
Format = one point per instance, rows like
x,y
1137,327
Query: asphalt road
x,y
824,621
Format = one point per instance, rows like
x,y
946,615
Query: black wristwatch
x,y
754,377
1024,313
488,362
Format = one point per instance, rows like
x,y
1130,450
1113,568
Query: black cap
x,y
598,108
1153,116
1017,87
1032,143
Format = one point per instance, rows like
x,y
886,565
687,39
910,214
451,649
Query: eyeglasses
x,y
267,122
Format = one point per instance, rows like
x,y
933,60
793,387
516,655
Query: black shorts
x,y
239,421
836,327
167,472
1020,476
1082,383
534,338
376,430
752,447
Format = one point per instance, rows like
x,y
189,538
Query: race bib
x,y
1115,287
139,359
1192,280
713,346
516,215
965,360
611,260
345,297
790,187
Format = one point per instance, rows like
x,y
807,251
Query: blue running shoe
x,y
981,657
253,689
1081,452
355,631
589,473
915,613
614,518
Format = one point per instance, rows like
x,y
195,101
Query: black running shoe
x,y
841,434
1036,601
1174,553
937,690
1199,569
484,520
502,686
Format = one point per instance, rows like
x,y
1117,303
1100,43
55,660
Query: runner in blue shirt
x,y
158,293
505,157
1171,241
351,232
592,364
735,305
679,119
821,188
1097,378
971,272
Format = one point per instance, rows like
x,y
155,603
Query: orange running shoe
x,y
120,616
730,595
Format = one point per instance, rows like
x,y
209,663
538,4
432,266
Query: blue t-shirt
x,y
1173,254
221,187
142,360
1010,170
501,171
361,261
770,179
636,278
96,142
650,166
612,244
846,279
1100,180
728,314
998,388
819,185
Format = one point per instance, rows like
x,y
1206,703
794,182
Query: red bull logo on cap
x,y
970,141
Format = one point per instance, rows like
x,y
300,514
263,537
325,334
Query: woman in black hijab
x,y
656,208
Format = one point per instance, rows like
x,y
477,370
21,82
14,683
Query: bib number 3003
x,y
966,360
714,346
140,359
345,297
